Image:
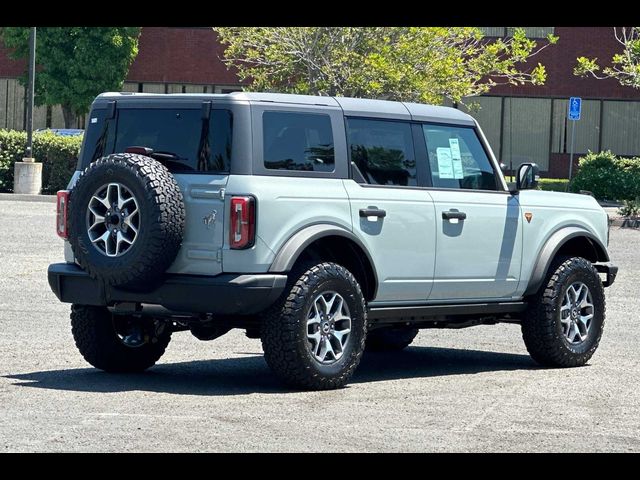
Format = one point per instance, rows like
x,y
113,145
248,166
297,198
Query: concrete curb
x,y
27,198
625,222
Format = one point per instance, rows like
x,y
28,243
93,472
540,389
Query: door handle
x,y
373,212
454,214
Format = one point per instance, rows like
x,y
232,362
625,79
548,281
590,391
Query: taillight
x,y
61,214
242,227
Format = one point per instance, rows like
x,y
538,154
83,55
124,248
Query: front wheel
x,y
117,343
564,322
313,338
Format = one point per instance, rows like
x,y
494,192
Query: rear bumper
x,y
610,270
226,294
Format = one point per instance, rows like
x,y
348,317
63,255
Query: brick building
x,y
523,123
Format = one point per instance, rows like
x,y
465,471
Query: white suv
x,y
322,225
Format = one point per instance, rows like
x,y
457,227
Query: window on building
x,y
488,113
153,87
457,158
383,151
526,131
227,88
131,87
587,129
531,32
620,126
298,141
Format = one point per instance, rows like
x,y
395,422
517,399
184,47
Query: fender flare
x,y
295,245
552,246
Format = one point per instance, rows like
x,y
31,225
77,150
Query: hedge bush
x,y
553,184
58,154
608,177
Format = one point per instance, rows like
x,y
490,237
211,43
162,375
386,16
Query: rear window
x,y
189,143
298,141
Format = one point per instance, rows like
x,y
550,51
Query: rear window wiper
x,y
159,155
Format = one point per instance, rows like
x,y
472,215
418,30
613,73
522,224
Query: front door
x,y
479,226
390,213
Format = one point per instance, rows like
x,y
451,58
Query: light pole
x,y
27,177
31,91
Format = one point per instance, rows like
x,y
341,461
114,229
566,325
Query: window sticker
x,y
455,148
94,120
445,163
456,159
458,173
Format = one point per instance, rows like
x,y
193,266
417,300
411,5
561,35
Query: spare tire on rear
x,y
126,220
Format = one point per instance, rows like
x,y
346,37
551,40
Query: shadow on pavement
x,y
245,375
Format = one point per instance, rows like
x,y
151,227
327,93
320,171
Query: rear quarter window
x,y
298,141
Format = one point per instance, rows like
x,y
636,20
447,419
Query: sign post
x,y
575,107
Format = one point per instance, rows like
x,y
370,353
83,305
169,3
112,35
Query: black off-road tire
x,y
162,220
95,335
391,339
541,327
284,329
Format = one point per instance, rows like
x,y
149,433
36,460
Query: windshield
x,y
189,142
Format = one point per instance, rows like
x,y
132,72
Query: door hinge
x,y
222,194
219,256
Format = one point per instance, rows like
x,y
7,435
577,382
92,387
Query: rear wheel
x,y
564,322
390,339
314,336
117,343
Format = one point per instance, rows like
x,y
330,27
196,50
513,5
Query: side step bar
x,y
421,312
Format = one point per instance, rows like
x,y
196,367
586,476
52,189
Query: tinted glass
x,y
457,158
298,141
382,151
197,145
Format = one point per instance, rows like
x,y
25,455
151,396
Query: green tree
x,y
625,66
425,64
74,64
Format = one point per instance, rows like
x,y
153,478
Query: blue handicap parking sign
x,y
575,105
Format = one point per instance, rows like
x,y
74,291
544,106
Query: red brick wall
x,y
560,59
10,68
192,55
180,55
559,165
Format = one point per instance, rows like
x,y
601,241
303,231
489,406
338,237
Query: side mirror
x,y
527,176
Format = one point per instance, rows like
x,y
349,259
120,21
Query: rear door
x,y
479,227
196,140
390,212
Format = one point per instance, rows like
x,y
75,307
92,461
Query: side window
x,y
298,141
383,151
457,158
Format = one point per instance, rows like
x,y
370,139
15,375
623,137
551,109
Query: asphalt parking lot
x,y
455,390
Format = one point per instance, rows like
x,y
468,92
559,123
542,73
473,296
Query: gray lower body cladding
x,y
226,294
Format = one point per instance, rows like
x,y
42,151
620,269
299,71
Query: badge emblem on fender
x,y
210,219
528,216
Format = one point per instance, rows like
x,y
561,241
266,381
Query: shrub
x,y
608,176
630,208
553,184
58,155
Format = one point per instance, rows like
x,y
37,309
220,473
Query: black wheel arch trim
x,y
551,247
289,253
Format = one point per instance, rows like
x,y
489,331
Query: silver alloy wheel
x,y
113,219
328,327
576,313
